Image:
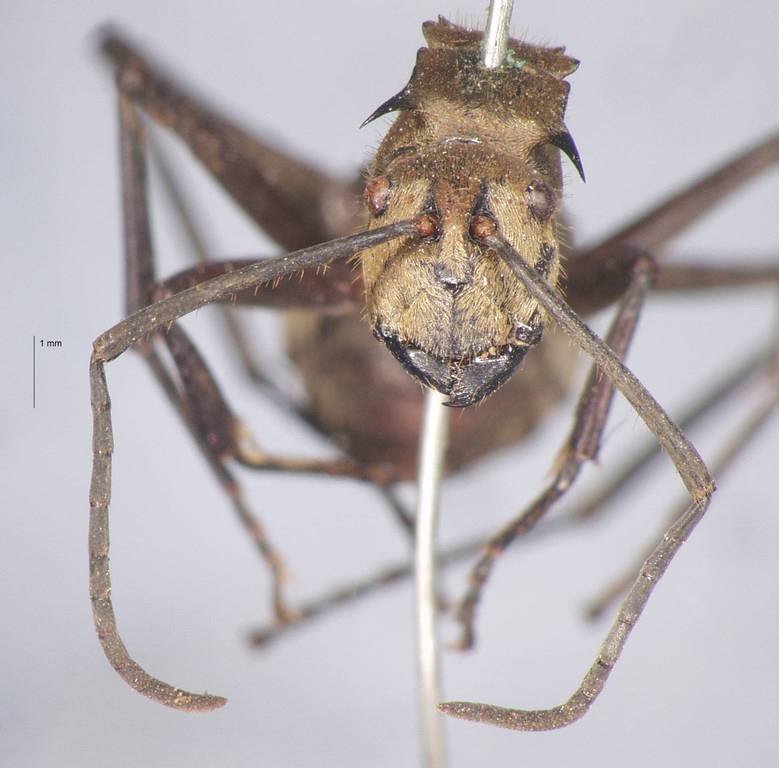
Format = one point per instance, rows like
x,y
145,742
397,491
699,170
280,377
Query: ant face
x,y
473,152
448,308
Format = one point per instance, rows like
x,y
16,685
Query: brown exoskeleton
x,y
475,152
461,267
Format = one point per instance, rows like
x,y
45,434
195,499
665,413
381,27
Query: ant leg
x,y
283,195
672,216
330,288
208,416
595,290
582,445
598,275
228,437
341,596
579,514
339,288
140,287
113,342
219,434
702,277
140,284
229,484
286,617
296,204
691,469
198,245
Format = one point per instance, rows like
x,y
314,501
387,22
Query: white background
x,y
665,90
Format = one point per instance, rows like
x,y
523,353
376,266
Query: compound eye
x,y
540,200
482,226
377,194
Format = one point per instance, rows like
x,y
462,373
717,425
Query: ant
x,y
462,269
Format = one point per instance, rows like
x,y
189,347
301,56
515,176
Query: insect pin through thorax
x,y
472,151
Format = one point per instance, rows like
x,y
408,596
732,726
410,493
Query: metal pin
x,y
432,450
